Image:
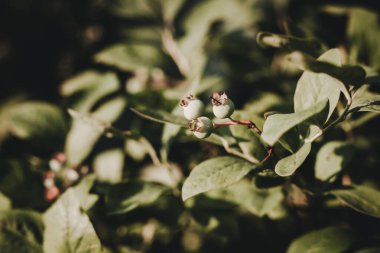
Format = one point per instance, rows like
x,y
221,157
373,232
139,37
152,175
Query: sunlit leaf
x,y
5,203
135,148
278,124
313,88
331,159
87,88
347,75
215,173
68,228
360,198
82,192
288,165
331,239
167,174
131,57
84,133
108,165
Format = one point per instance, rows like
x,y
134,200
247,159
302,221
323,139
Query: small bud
x,y
192,107
202,127
222,106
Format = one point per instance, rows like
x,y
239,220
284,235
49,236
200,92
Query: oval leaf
x,y
68,228
130,57
361,199
278,124
214,174
331,239
288,165
87,129
315,87
87,88
331,158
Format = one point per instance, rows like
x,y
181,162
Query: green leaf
x,y
35,121
87,88
5,203
278,124
315,87
331,159
136,148
348,75
289,43
361,199
364,41
259,202
131,57
161,116
86,129
215,173
288,165
231,15
21,231
125,197
331,240
108,166
365,100
82,192
68,228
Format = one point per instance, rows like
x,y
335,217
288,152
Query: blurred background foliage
x,y
101,58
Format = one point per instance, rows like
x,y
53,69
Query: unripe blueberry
x,y
192,107
222,106
202,127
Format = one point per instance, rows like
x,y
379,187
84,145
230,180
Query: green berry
x,y
222,107
202,127
192,107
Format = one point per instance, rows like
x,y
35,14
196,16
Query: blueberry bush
x,y
200,126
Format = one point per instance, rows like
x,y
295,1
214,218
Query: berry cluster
x,y
193,109
59,176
